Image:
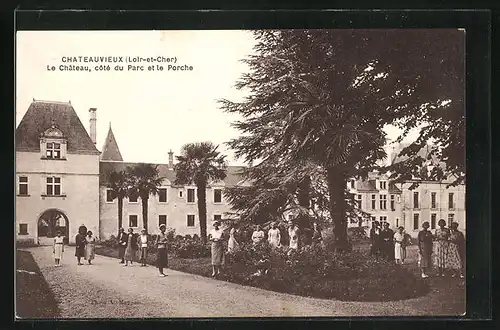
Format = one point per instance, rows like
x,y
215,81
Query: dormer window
x,y
53,150
383,185
53,144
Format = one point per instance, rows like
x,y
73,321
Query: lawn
x,y
34,298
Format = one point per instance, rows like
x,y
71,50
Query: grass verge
x,y
34,298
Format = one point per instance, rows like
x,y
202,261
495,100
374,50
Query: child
x,y
58,248
143,244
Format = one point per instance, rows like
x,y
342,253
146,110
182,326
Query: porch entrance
x,y
49,223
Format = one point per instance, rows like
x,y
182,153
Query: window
x,y
393,204
373,219
162,195
451,218
415,221
190,195
23,185
190,220
23,229
373,202
217,196
217,217
133,197
353,184
397,222
383,219
109,196
358,202
433,220
433,200
53,186
162,220
53,150
180,193
451,204
383,185
415,200
383,202
132,220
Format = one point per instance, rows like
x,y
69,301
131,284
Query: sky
x,y
150,112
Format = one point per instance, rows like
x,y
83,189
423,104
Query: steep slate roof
x,y
424,152
110,150
233,172
41,115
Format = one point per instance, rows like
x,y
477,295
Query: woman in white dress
x,y
58,248
90,247
258,235
232,244
274,236
217,248
399,246
293,233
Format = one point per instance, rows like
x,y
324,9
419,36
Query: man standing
x,y
122,245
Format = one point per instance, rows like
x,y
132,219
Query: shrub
x,y
315,271
191,248
112,241
26,242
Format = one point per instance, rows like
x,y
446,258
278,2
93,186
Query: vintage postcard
x,y
235,173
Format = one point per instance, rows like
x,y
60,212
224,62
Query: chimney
x,y
92,125
170,159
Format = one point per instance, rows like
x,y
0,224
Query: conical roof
x,y
110,150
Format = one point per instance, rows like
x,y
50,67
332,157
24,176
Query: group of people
x,y
388,244
448,247
85,246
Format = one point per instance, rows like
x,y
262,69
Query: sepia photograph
x,y
240,173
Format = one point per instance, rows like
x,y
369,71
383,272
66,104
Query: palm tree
x,y
200,163
144,180
118,182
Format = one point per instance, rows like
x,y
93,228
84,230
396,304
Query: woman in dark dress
x,y
425,239
317,238
387,239
375,239
80,242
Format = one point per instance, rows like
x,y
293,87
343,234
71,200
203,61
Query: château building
x,y
59,181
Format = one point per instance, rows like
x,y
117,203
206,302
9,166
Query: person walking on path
x,y
90,247
131,248
387,238
232,244
425,239
258,235
375,239
441,236
58,248
274,236
122,245
216,236
161,250
400,246
456,247
80,242
143,245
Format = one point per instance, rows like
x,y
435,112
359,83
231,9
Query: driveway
x,y
106,289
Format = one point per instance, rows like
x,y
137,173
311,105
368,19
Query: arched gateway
x,y
49,223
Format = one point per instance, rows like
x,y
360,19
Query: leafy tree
x,y
325,96
118,182
144,180
199,164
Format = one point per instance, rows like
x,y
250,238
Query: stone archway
x,y
49,223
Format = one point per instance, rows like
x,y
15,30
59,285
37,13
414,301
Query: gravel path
x,y
106,289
